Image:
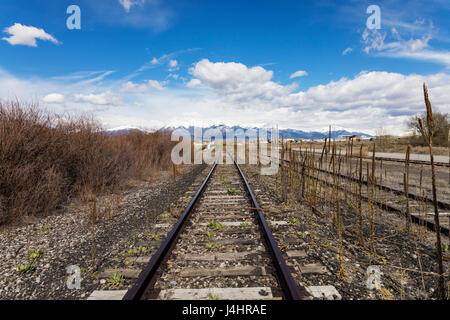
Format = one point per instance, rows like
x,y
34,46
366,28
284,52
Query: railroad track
x,y
385,159
392,200
221,247
421,162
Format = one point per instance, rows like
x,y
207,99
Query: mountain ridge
x,y
283,133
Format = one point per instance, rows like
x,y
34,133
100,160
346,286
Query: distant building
x,y
345,137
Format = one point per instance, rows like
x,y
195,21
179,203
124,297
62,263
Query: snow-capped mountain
x,y
283,133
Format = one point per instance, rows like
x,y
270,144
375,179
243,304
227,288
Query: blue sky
x,y
298,64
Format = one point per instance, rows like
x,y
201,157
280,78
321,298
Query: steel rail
x,y
285,279
419,162
413,196
148,276
423,162
414,218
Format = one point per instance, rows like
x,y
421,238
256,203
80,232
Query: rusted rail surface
x,y
441,205
430,224
284,276
148,277
421,162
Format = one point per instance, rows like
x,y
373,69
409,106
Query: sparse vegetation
x,y
116,280
211,296
136,251
24,268
216,226
42,231
154,237
35,254
213,246
165,215
232,192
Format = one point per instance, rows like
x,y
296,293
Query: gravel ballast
x,y
65,239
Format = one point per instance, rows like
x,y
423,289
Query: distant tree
x,y
441,127
381,135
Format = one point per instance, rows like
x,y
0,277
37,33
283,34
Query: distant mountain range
x,y
283,133
126,130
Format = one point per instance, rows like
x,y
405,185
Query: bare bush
x,y
45,159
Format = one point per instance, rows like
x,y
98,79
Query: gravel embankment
x,y
66,239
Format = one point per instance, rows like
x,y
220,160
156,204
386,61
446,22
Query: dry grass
x,y
46,159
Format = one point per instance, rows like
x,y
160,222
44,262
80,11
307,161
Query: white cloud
x,y
238,85
395,34
417,49
369,100
233,93
132,87
418,44
26,35
106,98
173,65
410,40
347,51
297,74
373,40
154,84
156,62
194,83
54,98
128,4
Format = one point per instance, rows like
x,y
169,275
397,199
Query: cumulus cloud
x,y
54,98
132,87
26,35
154,84
365,102
193,83
233,93
386,90
298,74
237,84
173,65
106,98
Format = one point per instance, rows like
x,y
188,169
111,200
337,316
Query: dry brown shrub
x,y
46,159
